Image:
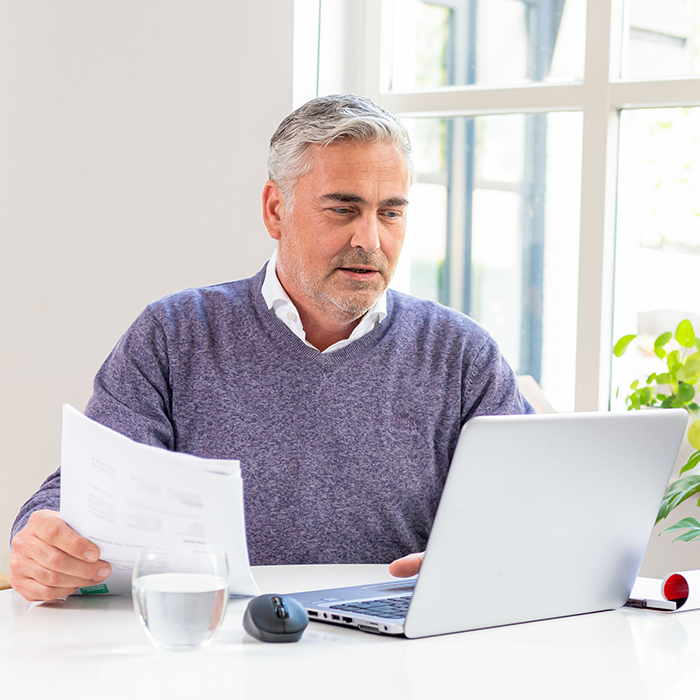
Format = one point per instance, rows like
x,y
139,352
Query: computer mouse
x,y
275,618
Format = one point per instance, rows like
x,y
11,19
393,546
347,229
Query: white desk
x,y
95,648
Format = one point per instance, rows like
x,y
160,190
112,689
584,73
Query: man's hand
x,y
407,566
50,560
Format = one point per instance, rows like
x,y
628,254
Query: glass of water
x,y
180,597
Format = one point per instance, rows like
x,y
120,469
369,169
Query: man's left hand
x,y
407,566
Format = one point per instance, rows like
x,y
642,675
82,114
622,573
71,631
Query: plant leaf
x,y
686,522
645,396
688,536
686,392
622,345
694,434
690,524
685,335
662,340
660,353
689,372
676,493
663,378
691,463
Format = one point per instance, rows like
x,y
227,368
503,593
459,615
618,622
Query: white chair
x,y
530,389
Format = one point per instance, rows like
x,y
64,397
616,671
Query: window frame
x,y
600,96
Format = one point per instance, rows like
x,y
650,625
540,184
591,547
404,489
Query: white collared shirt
x,y
278,301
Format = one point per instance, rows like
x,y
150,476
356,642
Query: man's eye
x,y
341,210
392,214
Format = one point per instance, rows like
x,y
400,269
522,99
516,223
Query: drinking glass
x,y
180,597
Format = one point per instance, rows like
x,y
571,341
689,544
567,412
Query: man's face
x,y
339,246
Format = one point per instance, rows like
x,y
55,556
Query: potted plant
x,y
674,387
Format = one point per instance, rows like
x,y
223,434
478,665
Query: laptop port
x,y
335,617
312,613
347,619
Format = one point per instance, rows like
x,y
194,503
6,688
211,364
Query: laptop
x,y
541,516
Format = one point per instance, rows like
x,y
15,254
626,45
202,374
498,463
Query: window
x,y
541,127
658,233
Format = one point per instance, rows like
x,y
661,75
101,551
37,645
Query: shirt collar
x,y
278,301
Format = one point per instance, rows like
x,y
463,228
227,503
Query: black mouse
x,y
275,618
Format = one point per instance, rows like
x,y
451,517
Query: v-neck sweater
x,y
343,455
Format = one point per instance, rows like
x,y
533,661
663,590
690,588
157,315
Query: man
x,y
343,400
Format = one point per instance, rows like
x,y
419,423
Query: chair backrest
x,y
530,389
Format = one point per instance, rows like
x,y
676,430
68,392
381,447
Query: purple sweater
x,y
343,455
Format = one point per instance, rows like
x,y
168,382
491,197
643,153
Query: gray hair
x,y
327,120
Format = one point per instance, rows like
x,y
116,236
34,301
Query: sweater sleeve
x,y
131,394
48,497
490,386
132,391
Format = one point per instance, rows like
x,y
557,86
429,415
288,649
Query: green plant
x,y
675,387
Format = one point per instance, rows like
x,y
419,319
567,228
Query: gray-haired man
x,y
343,400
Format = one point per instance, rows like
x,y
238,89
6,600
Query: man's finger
x,y
32,590
34,553
51,528
57,579
407,566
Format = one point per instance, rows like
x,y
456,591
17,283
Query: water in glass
x,y
180,608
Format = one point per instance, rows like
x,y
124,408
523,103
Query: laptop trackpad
x,y
393,587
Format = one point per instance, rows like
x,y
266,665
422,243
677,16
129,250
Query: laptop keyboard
x,y
381,607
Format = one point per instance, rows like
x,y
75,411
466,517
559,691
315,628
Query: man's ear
x,y
273,209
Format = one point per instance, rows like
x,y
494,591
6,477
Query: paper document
x,y
125,497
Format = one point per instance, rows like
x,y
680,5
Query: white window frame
x,y
600,97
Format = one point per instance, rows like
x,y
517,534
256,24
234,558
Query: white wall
x,y
133,138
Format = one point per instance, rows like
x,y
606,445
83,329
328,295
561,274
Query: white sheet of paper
x,y
125,496
647,588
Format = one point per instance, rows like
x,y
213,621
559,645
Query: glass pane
x,y
493,231
658,234
486,42
662,38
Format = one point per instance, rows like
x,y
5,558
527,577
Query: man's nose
x,y
366,233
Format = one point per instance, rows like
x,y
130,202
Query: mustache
x,y
361,258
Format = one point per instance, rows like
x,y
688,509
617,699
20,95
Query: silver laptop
x,y
541,517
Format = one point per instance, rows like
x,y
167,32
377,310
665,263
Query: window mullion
x,y
598,197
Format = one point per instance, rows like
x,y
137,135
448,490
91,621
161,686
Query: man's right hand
x,y
50,560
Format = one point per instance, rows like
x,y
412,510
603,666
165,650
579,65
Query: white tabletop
x,y
95,647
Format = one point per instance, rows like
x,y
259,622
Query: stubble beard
x,y
354,298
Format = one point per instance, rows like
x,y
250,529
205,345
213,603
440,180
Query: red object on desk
x,y
676,588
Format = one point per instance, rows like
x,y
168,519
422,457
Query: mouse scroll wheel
x,y
279,608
